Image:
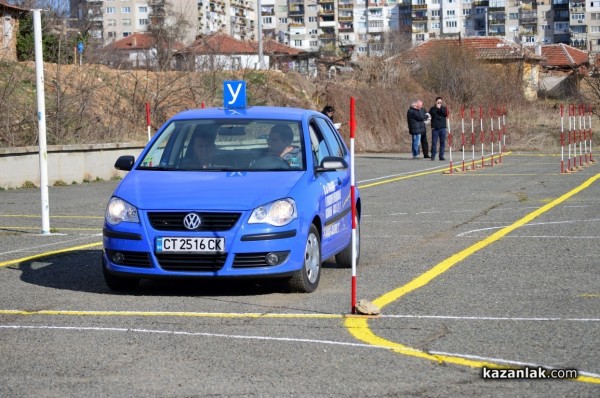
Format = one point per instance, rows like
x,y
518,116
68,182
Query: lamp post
x,y
261,59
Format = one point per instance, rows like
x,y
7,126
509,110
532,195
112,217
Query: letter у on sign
x,y
234,94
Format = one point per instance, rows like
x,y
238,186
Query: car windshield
x,y
225,145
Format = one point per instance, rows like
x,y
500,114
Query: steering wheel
x,y
270,162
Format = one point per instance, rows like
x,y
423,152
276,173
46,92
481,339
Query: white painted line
x,y
400,174
492,318
530,225
268,338
36,247
506,362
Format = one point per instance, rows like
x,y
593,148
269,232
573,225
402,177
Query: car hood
x,y
168,190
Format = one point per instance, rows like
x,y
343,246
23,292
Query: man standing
x,y
439,127
416,118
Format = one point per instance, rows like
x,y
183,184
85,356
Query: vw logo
x,y
192,221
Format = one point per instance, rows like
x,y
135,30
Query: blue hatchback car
x,y
258,192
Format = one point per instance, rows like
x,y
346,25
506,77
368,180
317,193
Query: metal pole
x,y
261,58
39,73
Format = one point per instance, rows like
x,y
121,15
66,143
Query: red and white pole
x,y
499,136
492,134
462,135
590,126
481,135
353,202
562,140
148,119
472,141
203,106
581,114
449,137
585,148
570,127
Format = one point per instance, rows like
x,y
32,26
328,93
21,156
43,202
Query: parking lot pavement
x,y
491,267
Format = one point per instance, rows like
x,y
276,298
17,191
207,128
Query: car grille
x,y
173,221
130,259
191,262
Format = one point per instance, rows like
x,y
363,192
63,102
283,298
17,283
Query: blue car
x,y
232,193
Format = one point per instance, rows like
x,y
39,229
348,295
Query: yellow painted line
x,y
170,314
46,254
405,177
359,328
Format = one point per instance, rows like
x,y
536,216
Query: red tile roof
x,y
136,41
562,55
4,4
219,43
485,48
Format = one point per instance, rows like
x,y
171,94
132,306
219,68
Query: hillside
x,y
95,104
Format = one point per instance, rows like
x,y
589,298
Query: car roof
x,y
254,112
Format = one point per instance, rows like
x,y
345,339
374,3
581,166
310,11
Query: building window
x,y
466,11
268,20
451,24
450,13
297,43
595,29
578,17
435,13
111,22
125,10
110,10
127,22
125,34
282,20
143,22
111,34
143,9
312,19
420,37
435,25
314,43
529,39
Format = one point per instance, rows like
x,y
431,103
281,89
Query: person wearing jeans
x,y
439,127
416,118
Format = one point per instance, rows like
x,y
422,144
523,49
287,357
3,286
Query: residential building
x,y
526,22
8,30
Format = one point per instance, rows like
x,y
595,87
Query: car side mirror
x,y
332,163
125,163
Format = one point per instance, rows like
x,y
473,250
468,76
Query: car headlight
x,y
278,213
119,210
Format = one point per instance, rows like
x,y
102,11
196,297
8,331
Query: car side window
x,y
317,142
331,137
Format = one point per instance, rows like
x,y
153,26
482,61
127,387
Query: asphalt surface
x,y
496,267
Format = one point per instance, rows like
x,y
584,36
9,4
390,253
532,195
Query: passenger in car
x,y
201,149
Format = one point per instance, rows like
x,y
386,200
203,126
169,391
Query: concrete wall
x,y
66,163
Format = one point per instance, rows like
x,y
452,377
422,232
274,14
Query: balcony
x,y
326,11
481,3
343,18
419,29
419,7
346,28
342,6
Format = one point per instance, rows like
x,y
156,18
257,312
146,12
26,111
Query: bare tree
x,y
169,27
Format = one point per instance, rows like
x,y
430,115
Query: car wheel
x,y
306,279
118,283
344,258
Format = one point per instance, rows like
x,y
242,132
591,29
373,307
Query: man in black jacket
x,y
416,118
439,127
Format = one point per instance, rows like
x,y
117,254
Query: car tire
x,y
118,283
344,258
306,279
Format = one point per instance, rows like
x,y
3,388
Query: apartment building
x,y
352,26
527,22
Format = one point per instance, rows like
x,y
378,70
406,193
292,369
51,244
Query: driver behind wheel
x,y
280,142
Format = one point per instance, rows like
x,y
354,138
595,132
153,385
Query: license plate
x,y
190,245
